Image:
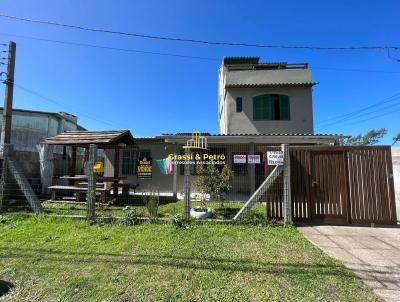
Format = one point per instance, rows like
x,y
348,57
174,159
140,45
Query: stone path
x,y
373,254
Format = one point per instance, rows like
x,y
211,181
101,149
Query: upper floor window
x,y
239,105
269,107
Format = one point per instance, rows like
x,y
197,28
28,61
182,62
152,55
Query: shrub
x,y
130,217
152,201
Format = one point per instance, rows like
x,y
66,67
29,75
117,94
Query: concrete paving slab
x,y
373,254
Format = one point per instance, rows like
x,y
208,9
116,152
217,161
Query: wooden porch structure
x,y
112,139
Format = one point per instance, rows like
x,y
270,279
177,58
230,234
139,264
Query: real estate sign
x,y
239,158
253,159
275,158
144,168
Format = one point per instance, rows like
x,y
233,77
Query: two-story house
x,y
260,105
264,98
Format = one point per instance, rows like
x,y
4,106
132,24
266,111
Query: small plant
x,y
130,217
152,201
210,181
180,221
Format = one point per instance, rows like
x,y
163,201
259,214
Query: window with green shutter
x,y
270,107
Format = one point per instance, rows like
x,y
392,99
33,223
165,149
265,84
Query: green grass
x,y
225,211
53,259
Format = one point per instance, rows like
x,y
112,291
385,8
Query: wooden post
x,y
64,161
91,193
73,162
287,200
252,171
116,174
187,187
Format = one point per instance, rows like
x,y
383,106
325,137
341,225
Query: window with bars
x,y
130,160
270,107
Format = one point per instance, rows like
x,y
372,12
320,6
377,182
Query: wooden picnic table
x,y
99,178
78,191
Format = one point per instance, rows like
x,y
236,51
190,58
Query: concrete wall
x,y
396,176
232,122
301,116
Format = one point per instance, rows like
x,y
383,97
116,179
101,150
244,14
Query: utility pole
x,y
5,147
8,98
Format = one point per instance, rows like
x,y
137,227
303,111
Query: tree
x,y
396,138
372,137
211,181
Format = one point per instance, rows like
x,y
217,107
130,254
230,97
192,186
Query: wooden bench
x,y
84,184
78,191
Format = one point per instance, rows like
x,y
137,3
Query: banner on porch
x,y
165,165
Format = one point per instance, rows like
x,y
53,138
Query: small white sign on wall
x,y
239,158
253,159
275,158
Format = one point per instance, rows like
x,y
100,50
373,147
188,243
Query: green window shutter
x,y
284,107
269,108
263,108
257,108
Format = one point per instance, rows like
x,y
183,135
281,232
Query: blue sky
x,y
151,94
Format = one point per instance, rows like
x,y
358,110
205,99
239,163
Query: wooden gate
x,y
329,194
338,184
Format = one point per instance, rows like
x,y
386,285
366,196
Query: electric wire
x,y
33,92
211,59
352,113
190,40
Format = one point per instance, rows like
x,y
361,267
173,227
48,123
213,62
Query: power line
x,y
356,70
368,119
391,107
189,40
112,48
61,104
352,113
211,59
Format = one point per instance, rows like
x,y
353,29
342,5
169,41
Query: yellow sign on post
x,y
98,167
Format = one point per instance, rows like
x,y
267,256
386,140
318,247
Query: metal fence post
x,y
92,177
187,187
287,198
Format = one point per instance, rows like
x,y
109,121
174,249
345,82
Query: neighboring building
x,y
264,98
29,128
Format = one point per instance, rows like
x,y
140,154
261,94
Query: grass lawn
x,y
54,259
225,211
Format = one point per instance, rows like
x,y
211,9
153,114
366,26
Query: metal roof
x,y
241,60
104,139
258,134
248,85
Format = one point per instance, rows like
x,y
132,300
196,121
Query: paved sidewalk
x,y
373,254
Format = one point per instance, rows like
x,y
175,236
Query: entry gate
x,y
339,184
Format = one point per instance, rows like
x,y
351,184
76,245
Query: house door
x,y
329,187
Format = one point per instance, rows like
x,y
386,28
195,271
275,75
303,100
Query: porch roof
x,y
270,138
103,139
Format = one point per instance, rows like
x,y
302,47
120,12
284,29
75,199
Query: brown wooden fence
x,y
339,185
